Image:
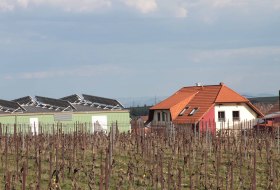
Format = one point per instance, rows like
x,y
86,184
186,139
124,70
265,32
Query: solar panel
x,y
72,98
10,106
27,100
102,101
51,102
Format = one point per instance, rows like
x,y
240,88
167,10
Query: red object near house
x,y
270,122
207,123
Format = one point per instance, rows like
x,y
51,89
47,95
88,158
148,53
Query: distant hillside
x,y
266,100
140,101
265,104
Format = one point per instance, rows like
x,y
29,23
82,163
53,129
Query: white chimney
x,y
198,84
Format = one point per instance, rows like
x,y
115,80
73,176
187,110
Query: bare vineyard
x,y
158,160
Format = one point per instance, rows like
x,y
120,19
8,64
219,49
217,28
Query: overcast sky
x,y
136,48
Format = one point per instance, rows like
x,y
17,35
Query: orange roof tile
x,y
203,100
227,95
177,98
175,110
175,103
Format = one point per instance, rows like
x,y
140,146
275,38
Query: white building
x,y
210,107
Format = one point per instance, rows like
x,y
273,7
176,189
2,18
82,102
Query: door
x,y
99,123
34,124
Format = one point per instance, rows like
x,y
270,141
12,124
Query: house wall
x,y
122,118
161,112
47,120
245,114
23,121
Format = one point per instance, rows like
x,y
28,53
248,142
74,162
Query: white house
x,y
209,107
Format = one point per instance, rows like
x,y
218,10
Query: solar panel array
x,y
10,106
45,104
109,103
75,99
54,103
27,100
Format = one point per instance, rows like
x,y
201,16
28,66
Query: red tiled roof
x,y
176,103
227,95
203,100
175,99
201,97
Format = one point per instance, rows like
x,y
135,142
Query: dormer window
x,y
184,110
193,111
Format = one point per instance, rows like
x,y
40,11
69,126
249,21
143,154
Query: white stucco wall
x,y
246,114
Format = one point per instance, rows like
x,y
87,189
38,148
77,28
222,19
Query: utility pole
x,y
279,101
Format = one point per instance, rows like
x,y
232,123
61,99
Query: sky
x,y
137,48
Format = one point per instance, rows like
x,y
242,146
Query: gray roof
x,y
37,109
86,108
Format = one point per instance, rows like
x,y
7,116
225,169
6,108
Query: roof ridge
x,y
202,86
219,92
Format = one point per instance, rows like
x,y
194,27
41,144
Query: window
x,y
158,116
235,116
193,111
183,111
163,116
221,116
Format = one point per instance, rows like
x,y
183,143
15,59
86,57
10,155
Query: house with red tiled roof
x,y
209,106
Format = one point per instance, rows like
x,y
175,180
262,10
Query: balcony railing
x,y
221,119
236,118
